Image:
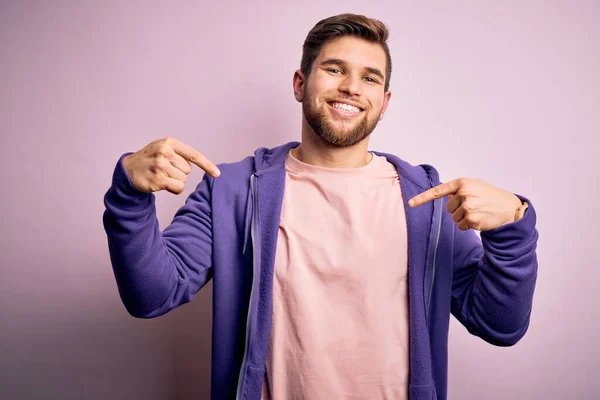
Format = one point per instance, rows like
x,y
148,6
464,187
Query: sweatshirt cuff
x,y
122,190
519,230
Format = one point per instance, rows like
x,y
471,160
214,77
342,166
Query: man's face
x,y
343,98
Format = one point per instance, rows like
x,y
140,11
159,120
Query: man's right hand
x,y
164,165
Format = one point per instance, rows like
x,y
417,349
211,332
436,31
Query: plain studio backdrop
x,y
508,92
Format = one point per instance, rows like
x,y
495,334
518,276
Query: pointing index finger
x,y
195,157
435,192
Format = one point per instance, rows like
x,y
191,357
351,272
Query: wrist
x,y
514,212
520,211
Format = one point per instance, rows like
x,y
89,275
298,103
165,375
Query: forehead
x,y
355,51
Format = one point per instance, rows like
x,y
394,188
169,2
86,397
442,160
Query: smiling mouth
x,y
345,109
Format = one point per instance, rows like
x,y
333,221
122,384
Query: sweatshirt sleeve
x,y
494,279
157,271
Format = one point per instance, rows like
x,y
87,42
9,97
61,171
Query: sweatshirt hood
x,y
267,159
423,175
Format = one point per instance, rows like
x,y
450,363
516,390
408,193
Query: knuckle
x,y
159,153
163,151
160,150
194,157
156,166
178,188
163,163
466,205
472,207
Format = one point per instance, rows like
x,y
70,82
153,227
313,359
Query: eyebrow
x,y
342,63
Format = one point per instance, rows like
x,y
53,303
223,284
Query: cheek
x,y
377,103
376,106
313,94
323,88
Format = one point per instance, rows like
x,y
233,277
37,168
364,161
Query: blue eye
x,y
333,70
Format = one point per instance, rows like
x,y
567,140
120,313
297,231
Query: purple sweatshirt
x,y
227,231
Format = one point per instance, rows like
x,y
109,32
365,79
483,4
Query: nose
x,y
351,85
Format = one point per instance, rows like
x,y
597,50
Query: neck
x,y
315,152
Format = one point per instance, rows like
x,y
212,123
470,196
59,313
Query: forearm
x,y
152,269
493,291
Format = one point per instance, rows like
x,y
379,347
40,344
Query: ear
x,y
386,102
299,81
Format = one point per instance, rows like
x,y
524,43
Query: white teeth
x,y
346,107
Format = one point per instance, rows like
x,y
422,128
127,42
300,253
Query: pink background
x,y
508,92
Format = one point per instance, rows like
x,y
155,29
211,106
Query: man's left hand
x,y
473,203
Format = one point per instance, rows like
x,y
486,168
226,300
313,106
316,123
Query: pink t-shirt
x,y
340,304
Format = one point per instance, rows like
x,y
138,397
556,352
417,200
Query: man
x,y
335,269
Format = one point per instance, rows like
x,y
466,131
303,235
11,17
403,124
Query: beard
x,y
331,134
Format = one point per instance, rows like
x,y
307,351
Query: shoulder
x,y
234,175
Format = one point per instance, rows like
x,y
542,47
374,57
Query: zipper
x,y
247,218
437,241
253,236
